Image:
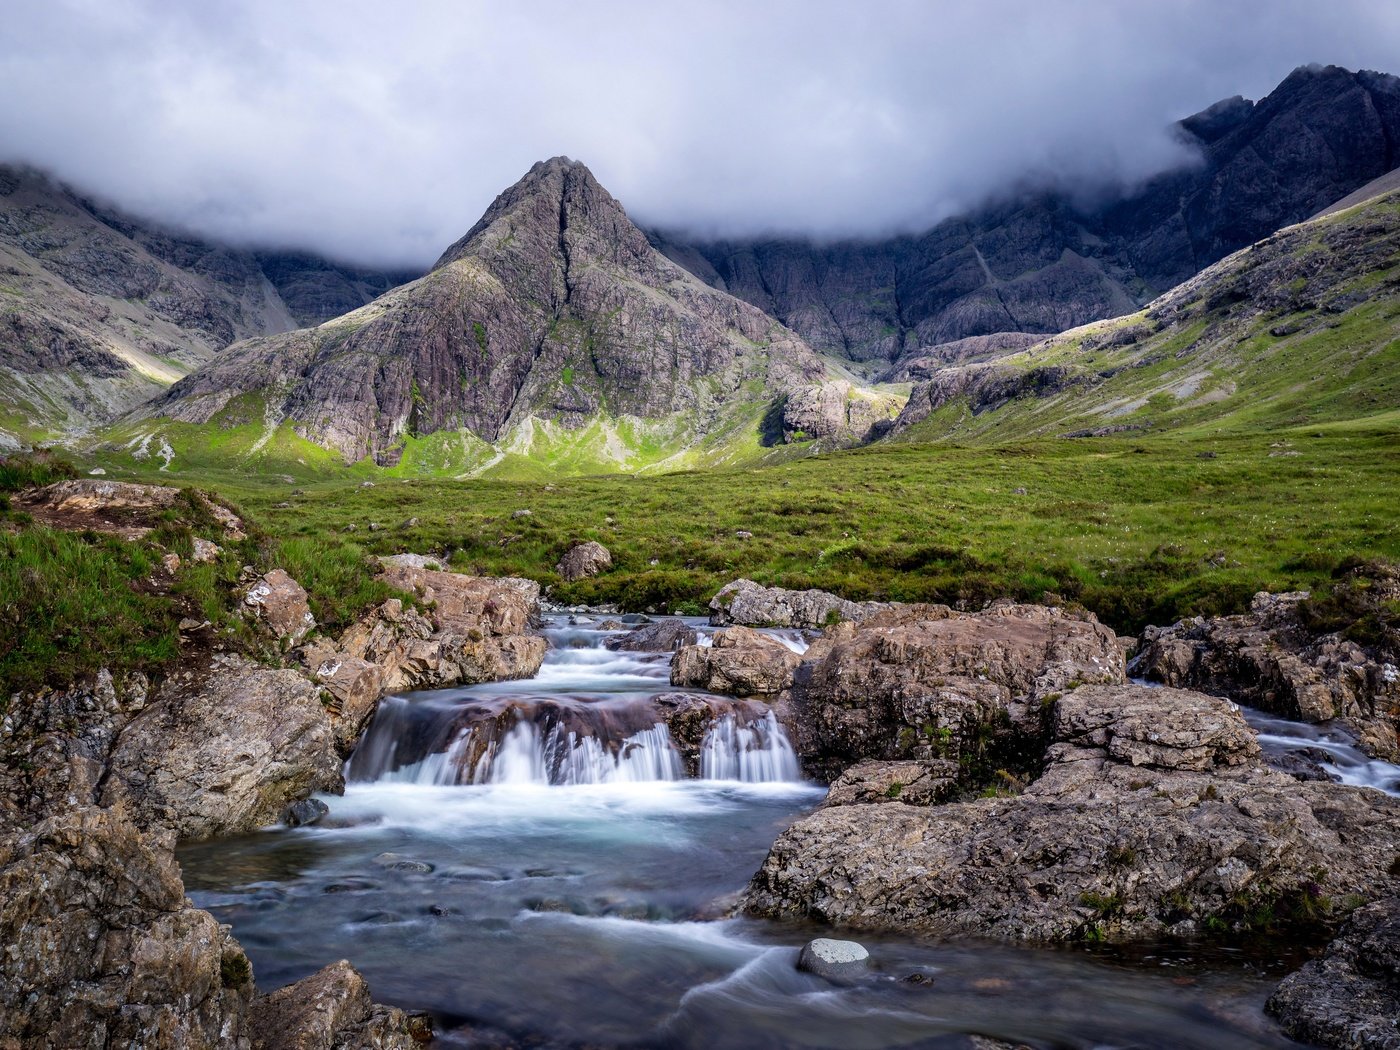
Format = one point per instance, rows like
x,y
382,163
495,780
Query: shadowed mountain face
x,y
100,311
1044,263
554,309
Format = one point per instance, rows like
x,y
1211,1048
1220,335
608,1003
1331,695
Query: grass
x,y
1140,530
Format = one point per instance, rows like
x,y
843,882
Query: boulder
x,y
835,960
740,661
1268,658
307,811
223,753
750,604
1350,997
353,685
663,636
583,560
330,1010
205,551
838,413
1153,816
474,631
104,949
924,682
280,604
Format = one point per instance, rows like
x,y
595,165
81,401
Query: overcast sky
x,y
380,135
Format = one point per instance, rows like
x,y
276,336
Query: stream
x,y
537,864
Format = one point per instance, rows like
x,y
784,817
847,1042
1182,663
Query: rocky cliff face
x,y
553,311
99,310
1045,263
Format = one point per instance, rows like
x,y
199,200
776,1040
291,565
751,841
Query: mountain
x,y
552,332
1296,331
100,311
1044,262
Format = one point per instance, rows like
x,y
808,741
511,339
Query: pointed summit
x,y
553,315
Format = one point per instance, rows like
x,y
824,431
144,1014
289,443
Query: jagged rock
x,y
223,754
355,686
663,636
205,551
1350,997
119,507
837,412
1268,658
583,560
985,386
104,949
739,661
474,631
752,605
907,783
280,603
925,682
1198,832
834,960
330,1010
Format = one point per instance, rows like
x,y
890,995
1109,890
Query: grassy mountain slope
x,y
1299,330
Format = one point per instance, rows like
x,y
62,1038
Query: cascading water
x,y
757,753
529,862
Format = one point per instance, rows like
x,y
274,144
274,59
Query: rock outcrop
x,y
925,682
121,508
223,753
753,605
1350,997
103,948
837,414
1269,658
663,636
280,604
739,661
1153,816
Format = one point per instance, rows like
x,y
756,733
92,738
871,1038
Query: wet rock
x,y
306,812
663,636
330,1010
1138,827
1350,997
398,862
583,560
924,682
223,754
747,603
834,960
280,603
104,948
740,661
354,686
1268,658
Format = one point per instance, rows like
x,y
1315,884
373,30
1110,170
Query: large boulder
x,y
838,413
739,661
473,631
583,560
224,751
925,682
753,605
280,604
1269,658
330,1010
1350,997
104,949
1154,816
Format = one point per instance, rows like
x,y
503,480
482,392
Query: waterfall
x,y
528,756
757,753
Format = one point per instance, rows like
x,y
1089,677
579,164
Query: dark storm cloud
x,y
381,135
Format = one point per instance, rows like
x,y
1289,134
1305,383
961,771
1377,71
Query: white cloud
x,y
381,135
